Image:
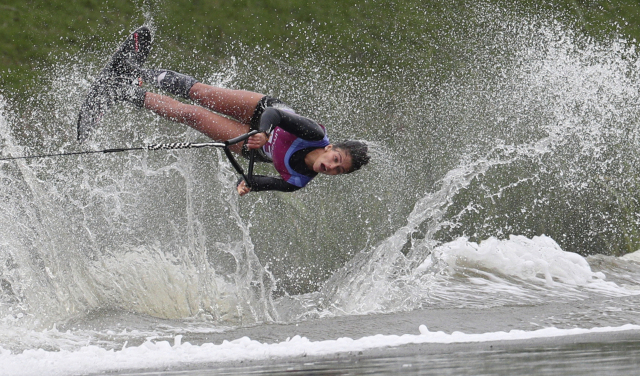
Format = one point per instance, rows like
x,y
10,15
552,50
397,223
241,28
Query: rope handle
x,y
166,146
248,178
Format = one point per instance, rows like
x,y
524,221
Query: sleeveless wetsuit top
x,y
282,145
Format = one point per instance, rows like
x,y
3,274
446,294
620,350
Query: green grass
x,y
34,34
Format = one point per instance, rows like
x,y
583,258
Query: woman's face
x,y
333,161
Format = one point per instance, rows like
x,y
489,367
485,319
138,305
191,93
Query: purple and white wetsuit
x,y
291,138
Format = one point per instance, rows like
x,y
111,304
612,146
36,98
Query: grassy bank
x,y
34,34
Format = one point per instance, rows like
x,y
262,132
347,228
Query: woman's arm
x,y
300,126
266,183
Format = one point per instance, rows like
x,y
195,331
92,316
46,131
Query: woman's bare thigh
x,y
215,126
239,104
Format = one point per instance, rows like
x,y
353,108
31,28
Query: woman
x,y
297,146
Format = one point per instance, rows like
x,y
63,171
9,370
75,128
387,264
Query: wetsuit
x,y
291,138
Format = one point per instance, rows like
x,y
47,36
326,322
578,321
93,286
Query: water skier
x,y
297,146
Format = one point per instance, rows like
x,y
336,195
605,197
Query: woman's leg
x,y
239,104
215,126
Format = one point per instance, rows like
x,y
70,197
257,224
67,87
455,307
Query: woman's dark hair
x,y
358,151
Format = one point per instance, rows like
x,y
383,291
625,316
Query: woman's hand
x,y
242,188
257,140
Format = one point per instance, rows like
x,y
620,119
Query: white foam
x,y
635,256
162,354
460,273
539,259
